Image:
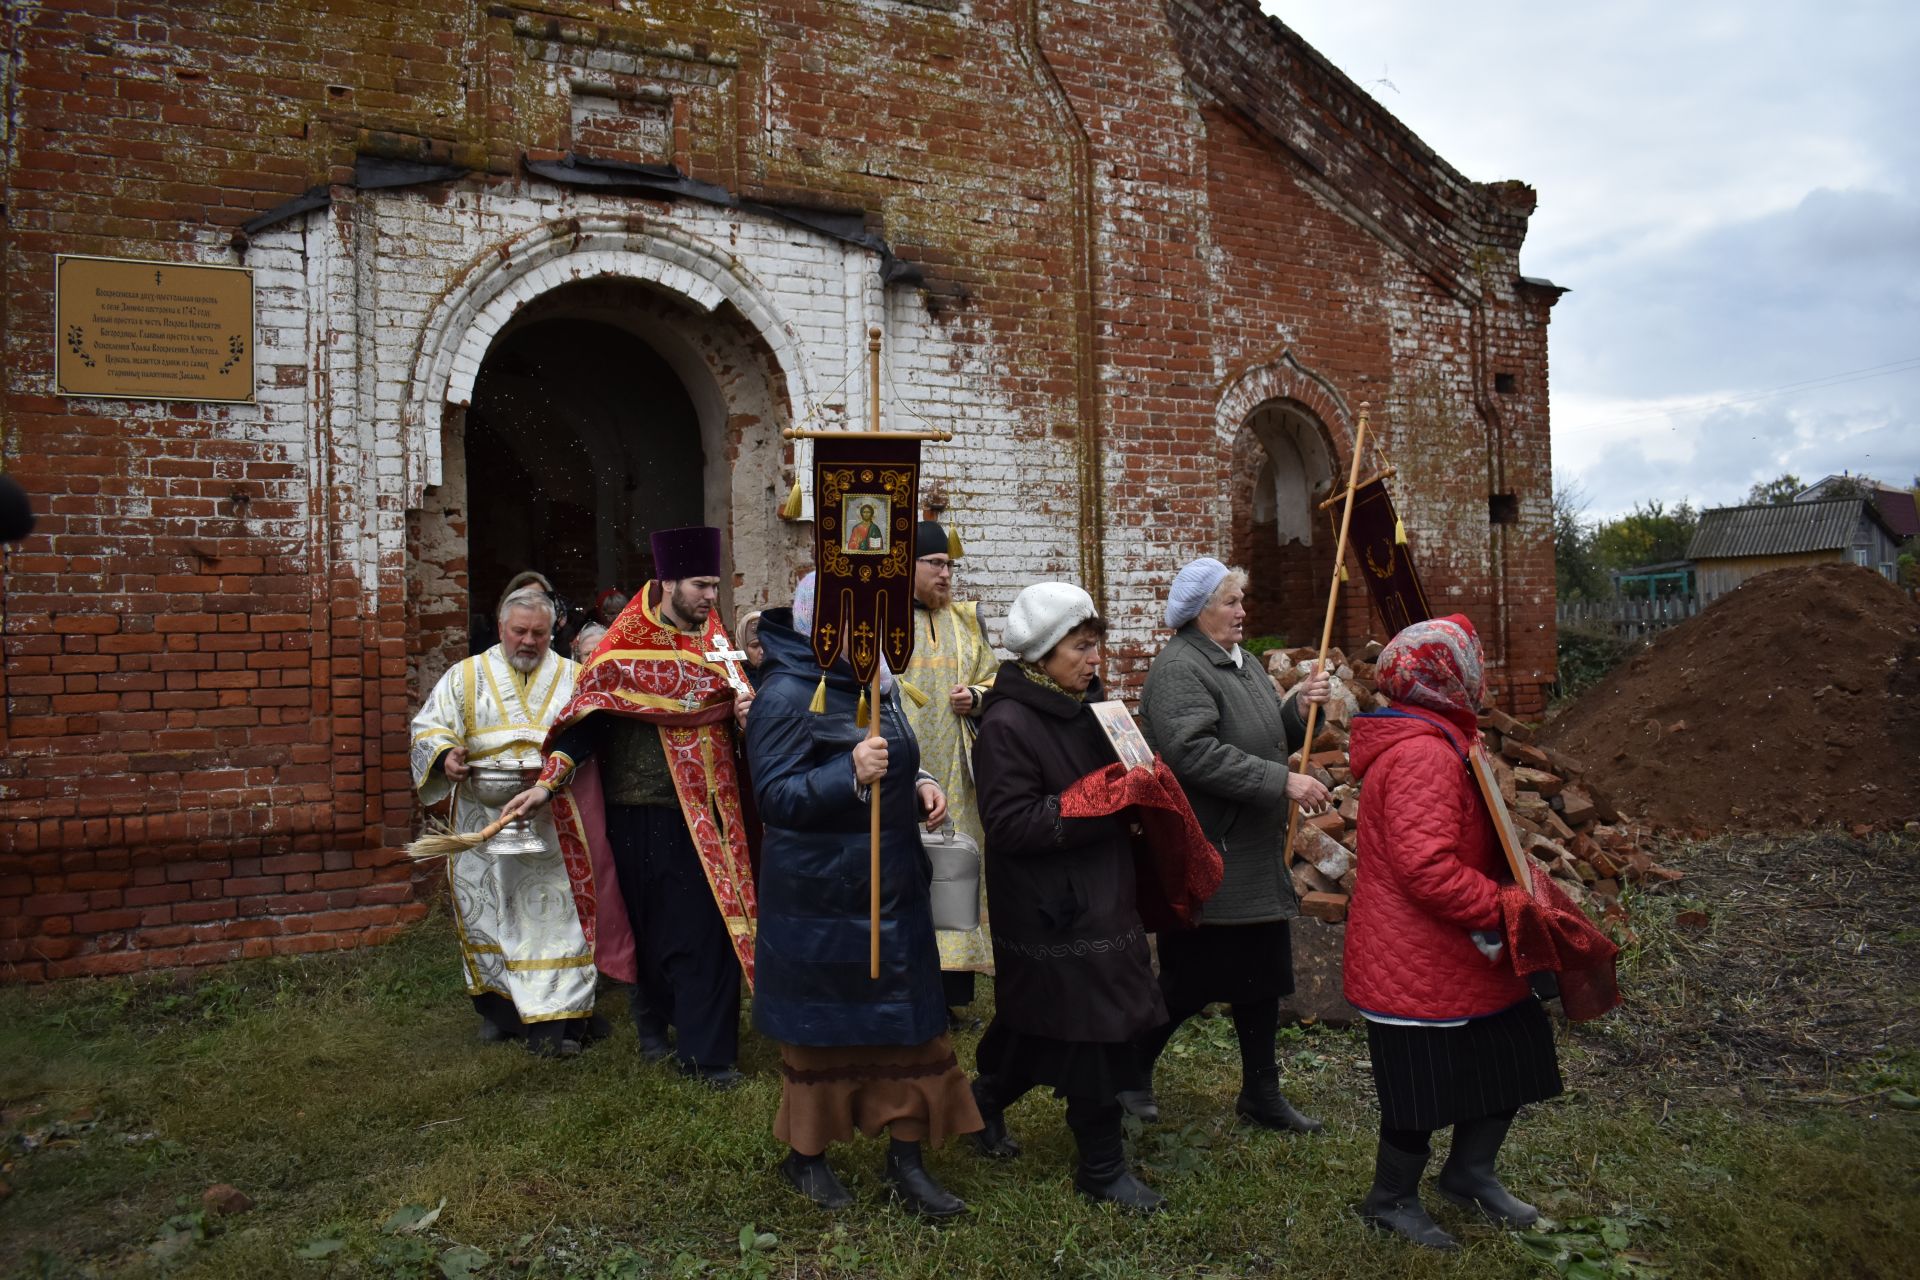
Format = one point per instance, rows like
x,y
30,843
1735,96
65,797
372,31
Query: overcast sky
x,y
1730,190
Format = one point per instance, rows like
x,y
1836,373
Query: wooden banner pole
x,y
873,702
1333,603
873,891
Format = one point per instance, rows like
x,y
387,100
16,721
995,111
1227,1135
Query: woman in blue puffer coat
x,y
855,1053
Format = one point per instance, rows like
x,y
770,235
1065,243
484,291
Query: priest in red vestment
x,y
641,772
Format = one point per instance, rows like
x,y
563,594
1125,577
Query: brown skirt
x,y
916,1092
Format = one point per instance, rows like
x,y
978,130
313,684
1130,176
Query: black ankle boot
x,y
1103,1172
1140,1104
993,1140
813,1178
1467,1178
651,1028
549,1040
915,1188
1261,1102
1393,1203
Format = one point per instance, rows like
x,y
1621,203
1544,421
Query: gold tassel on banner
x,y
819,704
1343,573
861,717
955,549
791,508
919,699
1399,532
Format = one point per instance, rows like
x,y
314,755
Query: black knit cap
x,y
930,540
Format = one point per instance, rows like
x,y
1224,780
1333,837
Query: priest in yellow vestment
x,y
953,665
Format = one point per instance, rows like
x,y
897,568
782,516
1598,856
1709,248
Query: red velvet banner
x,y
1385,564
866,504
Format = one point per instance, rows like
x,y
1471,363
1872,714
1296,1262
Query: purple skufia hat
x,y
693,552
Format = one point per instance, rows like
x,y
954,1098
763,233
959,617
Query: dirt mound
x,y
1789,703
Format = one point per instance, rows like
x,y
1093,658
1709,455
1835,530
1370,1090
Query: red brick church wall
x,y
206,641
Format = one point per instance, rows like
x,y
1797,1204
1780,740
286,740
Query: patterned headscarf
x,y
803,605
1435,664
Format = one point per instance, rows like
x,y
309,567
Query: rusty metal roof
x,y
1776,529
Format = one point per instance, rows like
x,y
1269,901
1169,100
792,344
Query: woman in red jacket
x,y
1456,1037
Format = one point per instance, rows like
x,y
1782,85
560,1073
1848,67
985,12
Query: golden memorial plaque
x,y
134,330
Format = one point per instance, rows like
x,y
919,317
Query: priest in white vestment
x,y
528,964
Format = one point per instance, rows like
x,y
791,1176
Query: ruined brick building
x,y
533,277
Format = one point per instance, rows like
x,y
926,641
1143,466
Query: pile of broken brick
x,y
1569,827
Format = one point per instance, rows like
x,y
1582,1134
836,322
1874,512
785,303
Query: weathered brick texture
x,y
1135,224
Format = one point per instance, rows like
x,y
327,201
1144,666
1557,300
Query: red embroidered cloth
x,y
644,669
1177,867
1548,932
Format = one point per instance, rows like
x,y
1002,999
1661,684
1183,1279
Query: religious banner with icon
x,y
865,491
1377,548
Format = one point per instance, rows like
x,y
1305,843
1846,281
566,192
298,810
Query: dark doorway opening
x,y
580,441
1282,468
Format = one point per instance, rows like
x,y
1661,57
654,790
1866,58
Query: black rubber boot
x,y
1467,1178
1393,1204
651,1028
992,1140
915,1188
719,1078
1261,1103
813,1178
1103,1172
549,1040
1140,1103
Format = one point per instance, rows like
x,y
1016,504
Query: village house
x,y
1733,544
525,281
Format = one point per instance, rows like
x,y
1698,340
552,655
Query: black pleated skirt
x,y
1430,1077
1092,1070
1226,964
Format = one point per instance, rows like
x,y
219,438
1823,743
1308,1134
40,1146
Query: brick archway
x,y
741,364
499,282
1283,378
1288,575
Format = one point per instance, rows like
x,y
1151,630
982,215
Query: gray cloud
x,y
1730,191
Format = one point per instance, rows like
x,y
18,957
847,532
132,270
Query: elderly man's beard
x,y
525,661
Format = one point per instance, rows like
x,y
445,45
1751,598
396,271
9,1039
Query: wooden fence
x,y
1630,619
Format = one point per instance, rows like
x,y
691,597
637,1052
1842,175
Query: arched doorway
x,y
586,441
1282,468
602,410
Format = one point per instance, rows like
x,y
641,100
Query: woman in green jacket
x,y
1213,715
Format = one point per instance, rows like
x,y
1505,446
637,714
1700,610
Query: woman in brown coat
x,y
1073,983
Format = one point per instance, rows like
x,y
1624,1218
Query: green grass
x,y
338,1090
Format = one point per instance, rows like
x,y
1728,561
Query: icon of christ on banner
x,y
866,517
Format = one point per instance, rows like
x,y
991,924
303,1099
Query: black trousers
x,y
499,1010
689,974
957,986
